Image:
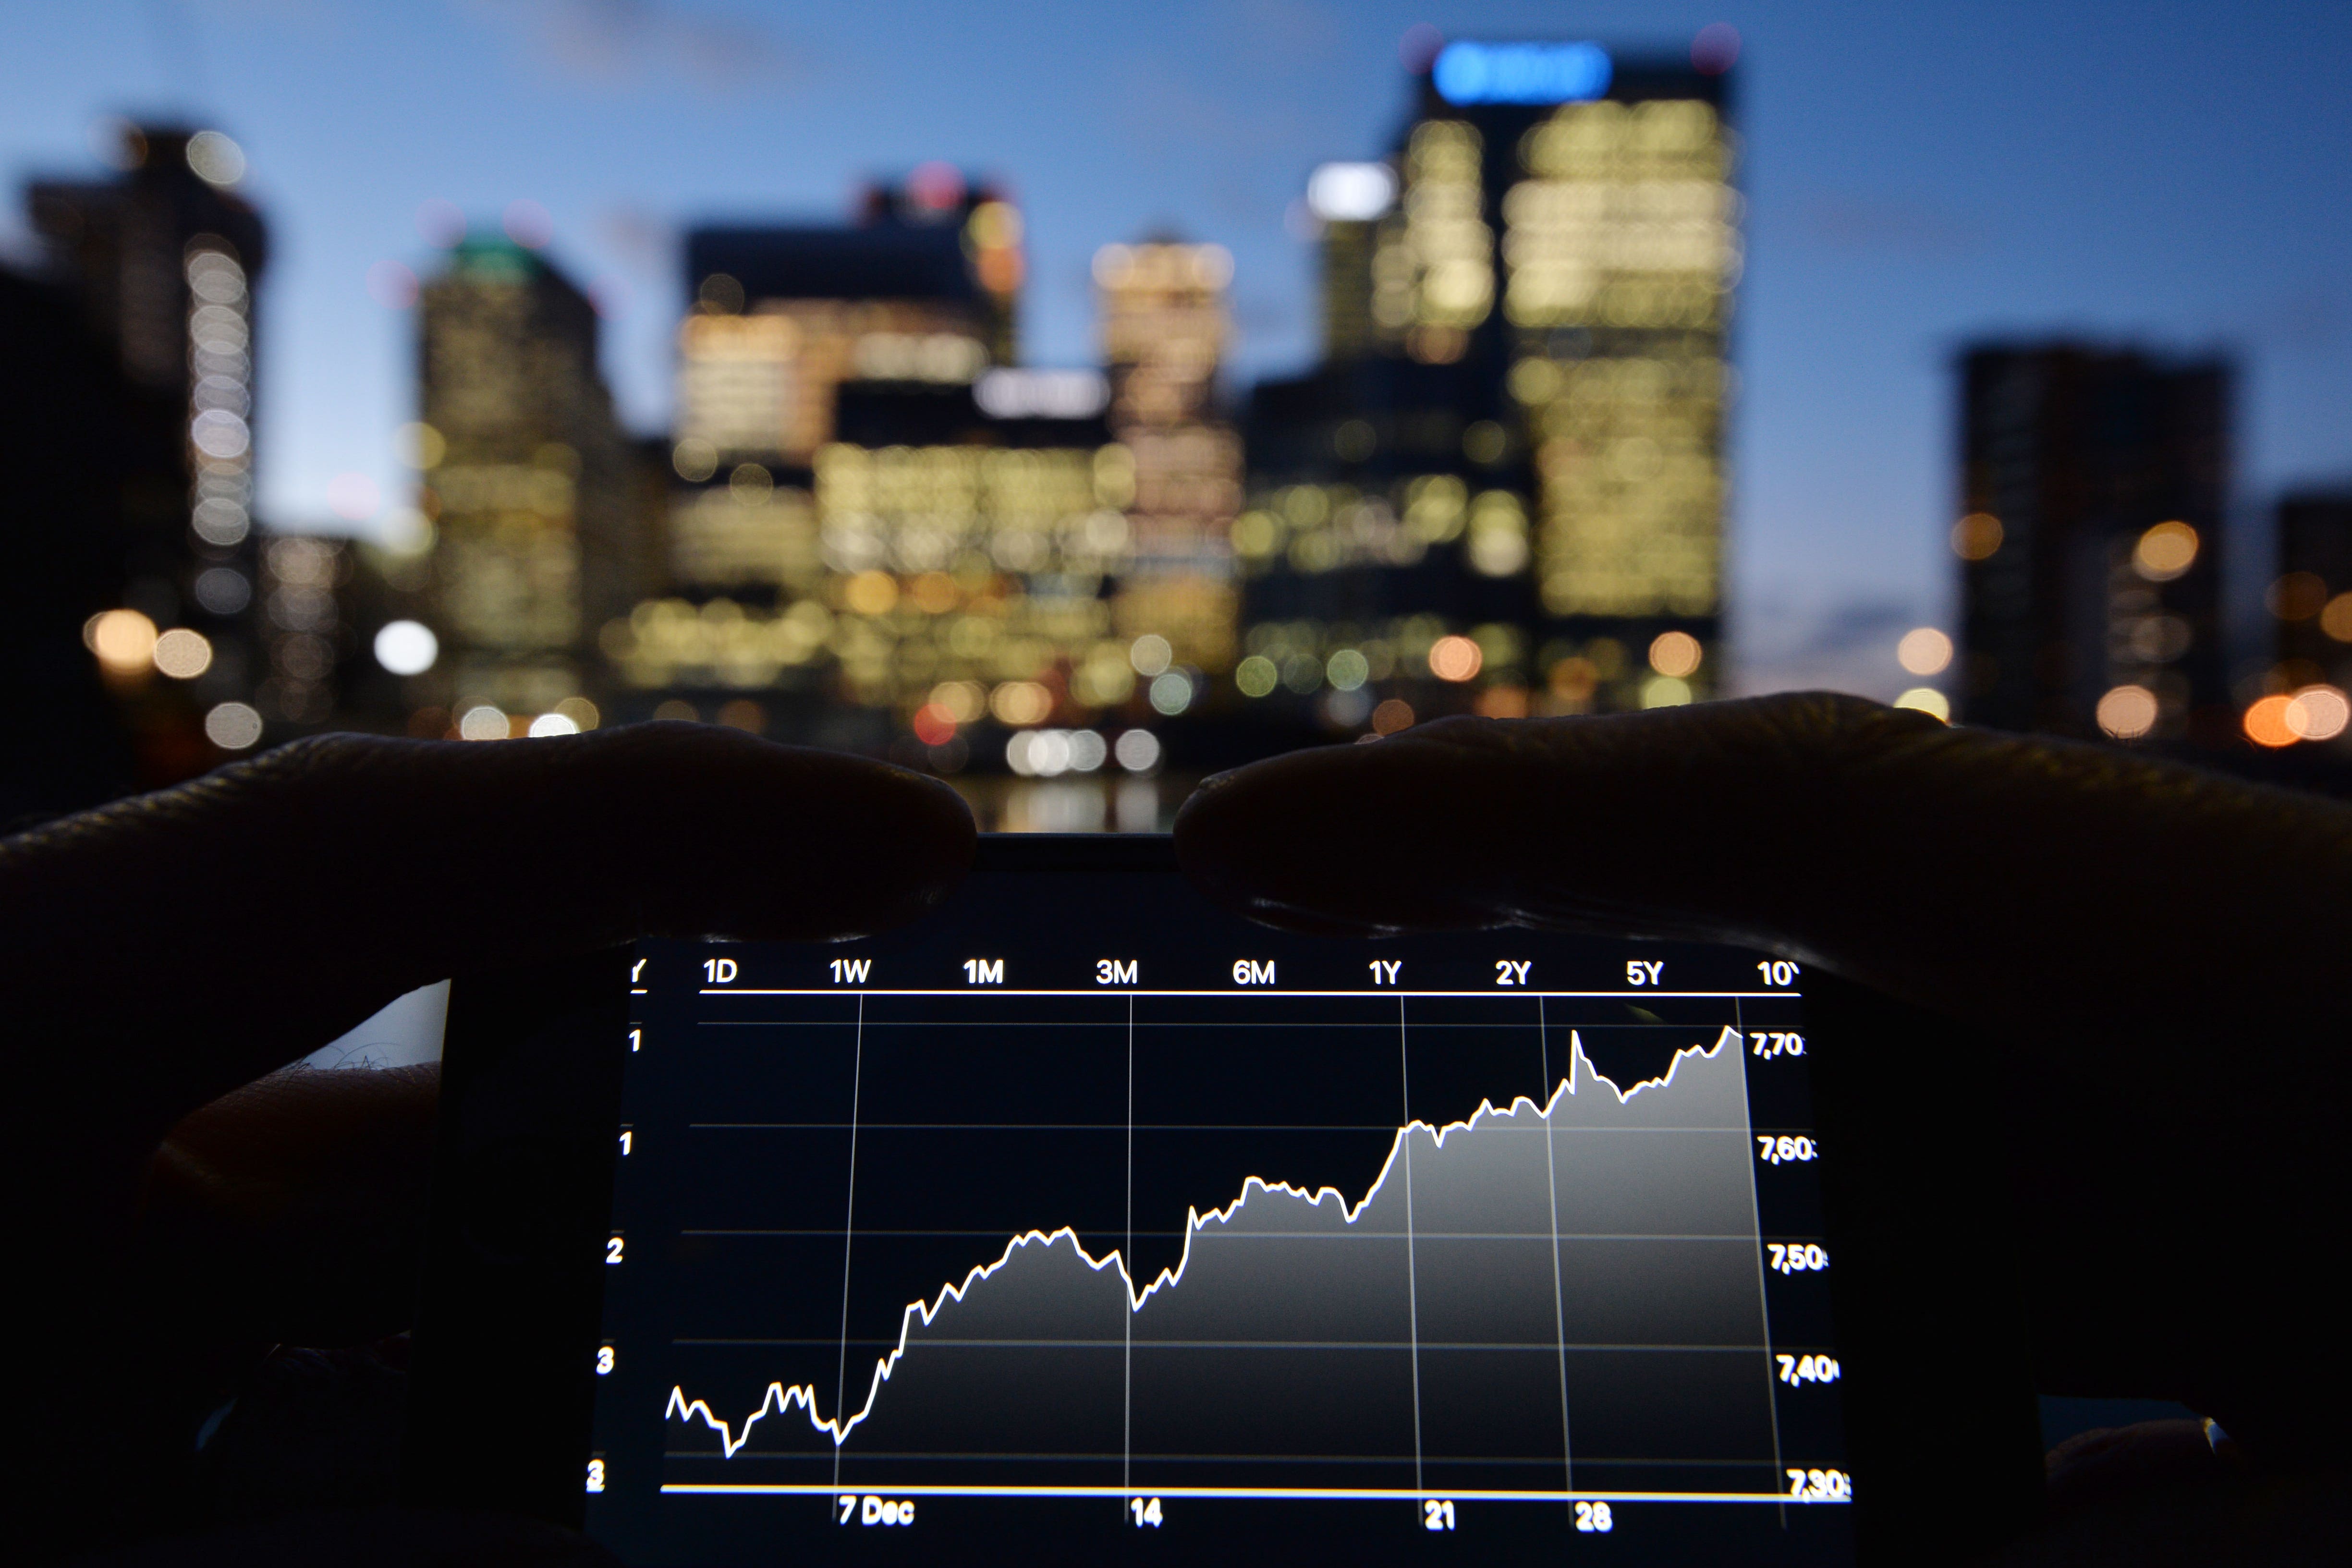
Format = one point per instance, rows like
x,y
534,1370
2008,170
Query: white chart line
x,y
1299,1494
780,1397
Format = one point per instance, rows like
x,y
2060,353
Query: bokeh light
x,y
1665,691
2266,722
1256,675
421,446
1150,655
1455,659
549,723
2126,712
183,654
392,286
695,459
2317,713
871,592
934,725
1924,651
2337,619
1419,47
1394,714
2297,596
529,224
406,647
1171,693
1715,48
1674,653
1926,700
224,590
960,702
123,639
232,726
214,159
1348,669
483,722
2165,551
1138,750
1021,703
1977,537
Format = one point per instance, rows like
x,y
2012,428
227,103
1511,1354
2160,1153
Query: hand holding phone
x,y
166,951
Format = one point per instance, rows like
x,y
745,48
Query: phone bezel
x,y
509,1309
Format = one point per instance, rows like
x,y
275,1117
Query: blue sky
x,y
2179,175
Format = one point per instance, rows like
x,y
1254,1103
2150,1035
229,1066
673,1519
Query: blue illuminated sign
x,y
1520,73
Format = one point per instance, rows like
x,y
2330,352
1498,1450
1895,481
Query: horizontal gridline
x,y
1386,1127
1277,1494
1546,1346
1422,1234
1097,1457
1508,1027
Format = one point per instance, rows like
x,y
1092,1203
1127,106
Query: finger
x,y
176,946
1988,875
293,1210
2146,950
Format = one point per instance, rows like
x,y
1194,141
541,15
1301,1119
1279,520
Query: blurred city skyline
x,y
2163,175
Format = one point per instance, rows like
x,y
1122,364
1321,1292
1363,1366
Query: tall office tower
x,y
2092,486
1163,323
1347,202
921,290
1513,501
2312,599
165,262
528,480
949,568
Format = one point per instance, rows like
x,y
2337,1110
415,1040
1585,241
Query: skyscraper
x,y
526,477
882,529
2093,485
163,263
1163,323
1512,459
922,288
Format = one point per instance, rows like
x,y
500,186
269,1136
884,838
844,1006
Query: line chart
x,y
1145,1256
782,1399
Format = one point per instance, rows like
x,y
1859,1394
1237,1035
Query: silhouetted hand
x,y
2152,958
166,952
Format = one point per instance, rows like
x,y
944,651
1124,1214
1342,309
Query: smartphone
x,y
1082,1218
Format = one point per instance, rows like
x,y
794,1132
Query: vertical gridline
x,y
848,1238
1412,1269
1127,1262
1551,1197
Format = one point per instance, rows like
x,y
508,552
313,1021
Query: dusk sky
x,y
2174,175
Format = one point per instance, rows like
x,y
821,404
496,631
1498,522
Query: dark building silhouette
x,y
70,425
155,272
1516,435
2312,599
2093,482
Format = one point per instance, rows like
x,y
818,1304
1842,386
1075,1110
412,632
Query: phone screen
x,y
1081,1216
